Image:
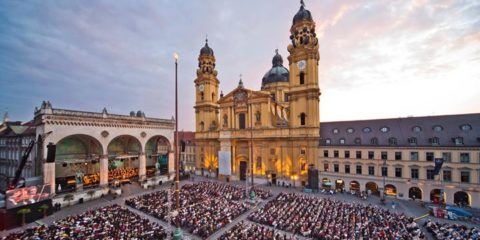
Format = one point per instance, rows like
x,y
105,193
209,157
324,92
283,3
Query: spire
x,y
6,118
302,3
240,83
277,59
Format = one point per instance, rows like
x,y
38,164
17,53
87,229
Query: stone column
x,y
104,170
49,176
142,167
171,163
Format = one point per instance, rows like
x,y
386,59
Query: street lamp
x,y
178,232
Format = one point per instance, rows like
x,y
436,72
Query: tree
x,y
68,197
91,193
23,212
44,208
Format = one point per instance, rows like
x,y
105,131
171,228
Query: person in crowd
x,y
247,231
111,222
449,231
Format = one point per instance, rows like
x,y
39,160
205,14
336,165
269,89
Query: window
x,y
303,151
465,127
366,130
359,169
464,157
458,140
335,168
447,156
241,120
437,128
335,130
464,176
371,154
273,96
398,172
258,117
412,141
384,155
285,96
392,141
447,175
384,129
225,120
398,155
325,167
358,154
302,119
414,156
430,175
202,96
202,126
371,170
374,141
350,130
416,129
328,141
347,168
414,173
429,156
384,171
335,153
347,154
213,96
325,153
358,141
342,141
434,141
302,78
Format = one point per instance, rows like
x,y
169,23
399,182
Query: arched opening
x,y
372,188
225,120
390,190
202,96
77,163
339,184
213,96
302,119
302,78
258,117
326,183
461,199
202,126
123,152
415,193
354,186
156,151
437,196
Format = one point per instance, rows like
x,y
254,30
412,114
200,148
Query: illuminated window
x,y
367,130
384,129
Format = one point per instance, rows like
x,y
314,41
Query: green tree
x,y
43,208
23,212
68,198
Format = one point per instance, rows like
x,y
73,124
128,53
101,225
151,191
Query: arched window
x,y
225,120
202,126
258,117
213,96
201,96
302,119
241,120
302,78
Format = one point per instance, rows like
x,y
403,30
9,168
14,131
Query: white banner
x,y
225,163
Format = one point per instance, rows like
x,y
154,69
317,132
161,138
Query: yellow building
x,y
281,120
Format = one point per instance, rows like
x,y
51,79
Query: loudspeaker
x,y
313,179
51,149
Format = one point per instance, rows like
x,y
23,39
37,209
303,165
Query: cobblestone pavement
x,y
410,208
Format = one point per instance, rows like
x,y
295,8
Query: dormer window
x,y
392,141
412,141
335,131
342,141
358,141
384,129
328,141
434,141
437,128
350,130
465,127
458,140
367,130
374,141
416,129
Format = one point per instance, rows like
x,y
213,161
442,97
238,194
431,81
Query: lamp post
x,y
178,232
384,175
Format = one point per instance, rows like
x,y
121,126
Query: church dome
x,y
278,73
206,50
302,14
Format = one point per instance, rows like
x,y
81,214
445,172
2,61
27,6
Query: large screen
x,y
225,163
27,195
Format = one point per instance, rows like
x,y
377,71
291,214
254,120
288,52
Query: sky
x,y
379,58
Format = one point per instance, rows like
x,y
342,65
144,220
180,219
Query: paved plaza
x,y
241,222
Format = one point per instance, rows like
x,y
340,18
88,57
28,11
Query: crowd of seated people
x,y
205,207
325,218
111,222
247,231
444,231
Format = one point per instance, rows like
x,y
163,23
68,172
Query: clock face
x,y
201,87
301,64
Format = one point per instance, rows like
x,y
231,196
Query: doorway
x,y
243,170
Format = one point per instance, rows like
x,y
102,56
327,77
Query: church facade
x,y
272,132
